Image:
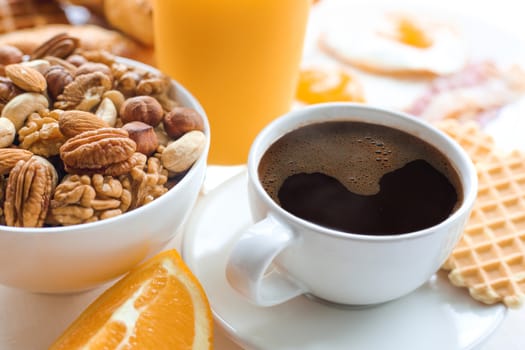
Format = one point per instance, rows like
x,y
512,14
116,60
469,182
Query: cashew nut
x,y
115,96
7,132
107,112
40,65
182,153
20,107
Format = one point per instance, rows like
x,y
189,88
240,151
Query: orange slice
x,y
158,305
317,85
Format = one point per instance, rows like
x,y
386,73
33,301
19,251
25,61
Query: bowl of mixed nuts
x,y
101,160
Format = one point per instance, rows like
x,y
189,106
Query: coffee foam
x,y
357,154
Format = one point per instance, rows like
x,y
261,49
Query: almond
x,y
72,123
10,156
26,78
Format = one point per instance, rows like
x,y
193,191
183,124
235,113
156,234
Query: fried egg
x,y
396,43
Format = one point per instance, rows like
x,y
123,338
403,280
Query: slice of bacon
x,y
477,92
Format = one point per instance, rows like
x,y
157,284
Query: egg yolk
x,y
318,86
410,33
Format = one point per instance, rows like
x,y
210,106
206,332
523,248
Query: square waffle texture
x,y
479,145
490,257
21,14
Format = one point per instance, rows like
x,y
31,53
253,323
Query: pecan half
x,y
61,45
97,149
28,192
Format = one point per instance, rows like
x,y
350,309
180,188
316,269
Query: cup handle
x,y
247,269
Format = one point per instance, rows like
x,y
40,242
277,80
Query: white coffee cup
x,y
282,256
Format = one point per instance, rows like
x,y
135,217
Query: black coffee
x,y
360,178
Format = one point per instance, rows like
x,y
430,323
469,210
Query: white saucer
x,y
436,316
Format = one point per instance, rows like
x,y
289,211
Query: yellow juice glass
x,y
240,58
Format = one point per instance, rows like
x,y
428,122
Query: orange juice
x,y
240,59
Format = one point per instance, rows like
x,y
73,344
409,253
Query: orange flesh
x,y
165,307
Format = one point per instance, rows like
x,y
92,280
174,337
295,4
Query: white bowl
x,y
80,257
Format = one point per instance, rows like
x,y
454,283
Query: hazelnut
x,y
57,78
10,54
181,120
76,60
143,135
144,109
8,90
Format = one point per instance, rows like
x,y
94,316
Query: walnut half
x,y
82,198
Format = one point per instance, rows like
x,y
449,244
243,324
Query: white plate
x,y
483,41
436,316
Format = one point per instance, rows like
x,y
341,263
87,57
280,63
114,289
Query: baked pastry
x,y
21,14
91,38
489,260
132,17
479,145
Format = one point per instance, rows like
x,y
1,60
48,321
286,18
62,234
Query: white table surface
x,y
31,321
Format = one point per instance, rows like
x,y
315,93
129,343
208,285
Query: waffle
x,y
490,257
20,14
479,145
